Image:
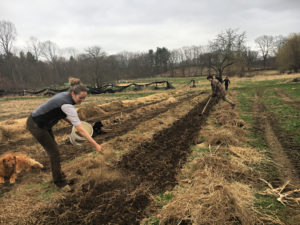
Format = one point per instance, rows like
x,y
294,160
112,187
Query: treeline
x,y
43,63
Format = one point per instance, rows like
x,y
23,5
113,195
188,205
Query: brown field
x,y
155,146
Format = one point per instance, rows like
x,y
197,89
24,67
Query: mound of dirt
x,y
88,112
112,106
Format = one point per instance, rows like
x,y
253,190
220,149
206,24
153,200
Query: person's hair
x,y
209,77
76,86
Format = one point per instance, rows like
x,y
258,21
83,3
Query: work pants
x,y
46,139
228,100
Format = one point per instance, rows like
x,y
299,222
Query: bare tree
x,y
266,44
8,35
49,50
189,57
96,54
173,61
226,50
279,41
251,58
198,59
35,47
72,52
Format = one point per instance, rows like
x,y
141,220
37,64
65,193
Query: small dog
x,y
12,164
97,128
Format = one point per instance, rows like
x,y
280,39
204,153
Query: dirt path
x,y
287,99
149,169
284,153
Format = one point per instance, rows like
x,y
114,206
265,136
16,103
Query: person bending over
x,y
218,90
41,121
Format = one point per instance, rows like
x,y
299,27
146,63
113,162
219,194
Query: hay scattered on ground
x,y
217,190
210,199
223,136
246,155
5,134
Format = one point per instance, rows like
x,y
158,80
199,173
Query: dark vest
x,y
49,113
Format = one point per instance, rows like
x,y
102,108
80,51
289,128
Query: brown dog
x,y
12,164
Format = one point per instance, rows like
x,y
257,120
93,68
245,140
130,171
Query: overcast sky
x,y
140,25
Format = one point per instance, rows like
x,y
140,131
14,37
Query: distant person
x,y
41,121
218,90
226,82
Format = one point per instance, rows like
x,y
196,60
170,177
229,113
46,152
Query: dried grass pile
x,y
210,199
5,134
171,100
229,118
89,112
230,130
224,136
246,155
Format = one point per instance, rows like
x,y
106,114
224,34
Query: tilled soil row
x,y
69,152
14,145
149,169
117,129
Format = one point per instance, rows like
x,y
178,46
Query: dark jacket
x,y
49,113
226,81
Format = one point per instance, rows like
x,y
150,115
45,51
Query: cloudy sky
x,y
140,25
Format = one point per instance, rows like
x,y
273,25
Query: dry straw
x,y
224,136
5,134
210,199
217,191
246,155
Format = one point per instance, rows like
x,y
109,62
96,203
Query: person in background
x,y
218,90
41,121
226,82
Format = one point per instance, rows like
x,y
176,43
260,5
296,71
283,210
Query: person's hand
x,y
99,149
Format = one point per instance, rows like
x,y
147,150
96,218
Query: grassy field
x,y
284,115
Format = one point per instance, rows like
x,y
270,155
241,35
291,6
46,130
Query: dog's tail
x,y
34,163
24,162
